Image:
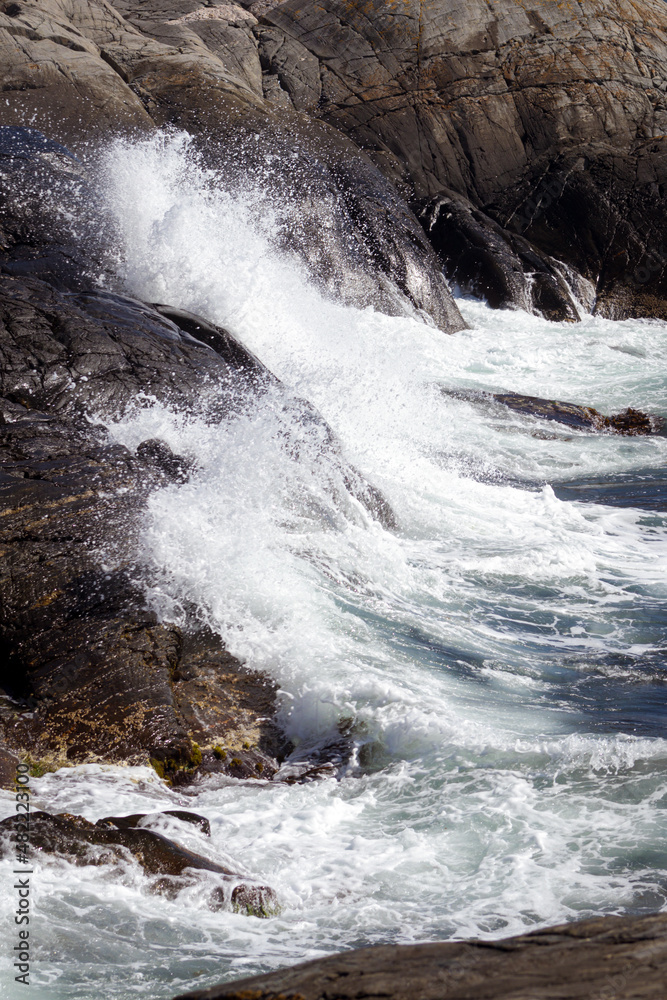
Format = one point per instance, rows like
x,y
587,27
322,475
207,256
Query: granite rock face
x,y
624,958
81,72
77,65
549,118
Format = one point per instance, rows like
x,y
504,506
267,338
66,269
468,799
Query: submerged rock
x,y
106,842
317,759
136,819
630,421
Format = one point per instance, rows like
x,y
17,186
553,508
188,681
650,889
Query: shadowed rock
x,y
620,957
90,673
51,223
492,263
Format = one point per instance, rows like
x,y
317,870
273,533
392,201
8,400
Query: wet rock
x,y
51,224
316,759
158,454
255,900
354,233
228,711
492,263
95,351
72,836
630,421
87,350
236,355
620,957
201,70
93,674
135,819
82,842
8,762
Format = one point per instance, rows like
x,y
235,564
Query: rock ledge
x,y
610,958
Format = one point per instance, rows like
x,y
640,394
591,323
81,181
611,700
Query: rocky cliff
x,y
519,146
545,121
548,118
79,72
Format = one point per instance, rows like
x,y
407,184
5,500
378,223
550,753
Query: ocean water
x,y
499,660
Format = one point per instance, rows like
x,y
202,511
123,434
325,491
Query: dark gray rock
x,y
95,351
489,262
624,958
89,673
629,421
317,759
52,225
135,819
93,675
84,843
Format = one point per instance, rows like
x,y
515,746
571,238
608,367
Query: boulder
x,y
109,841
620,957
630,421
318,758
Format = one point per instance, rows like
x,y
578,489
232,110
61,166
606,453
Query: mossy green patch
x,y
169,767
